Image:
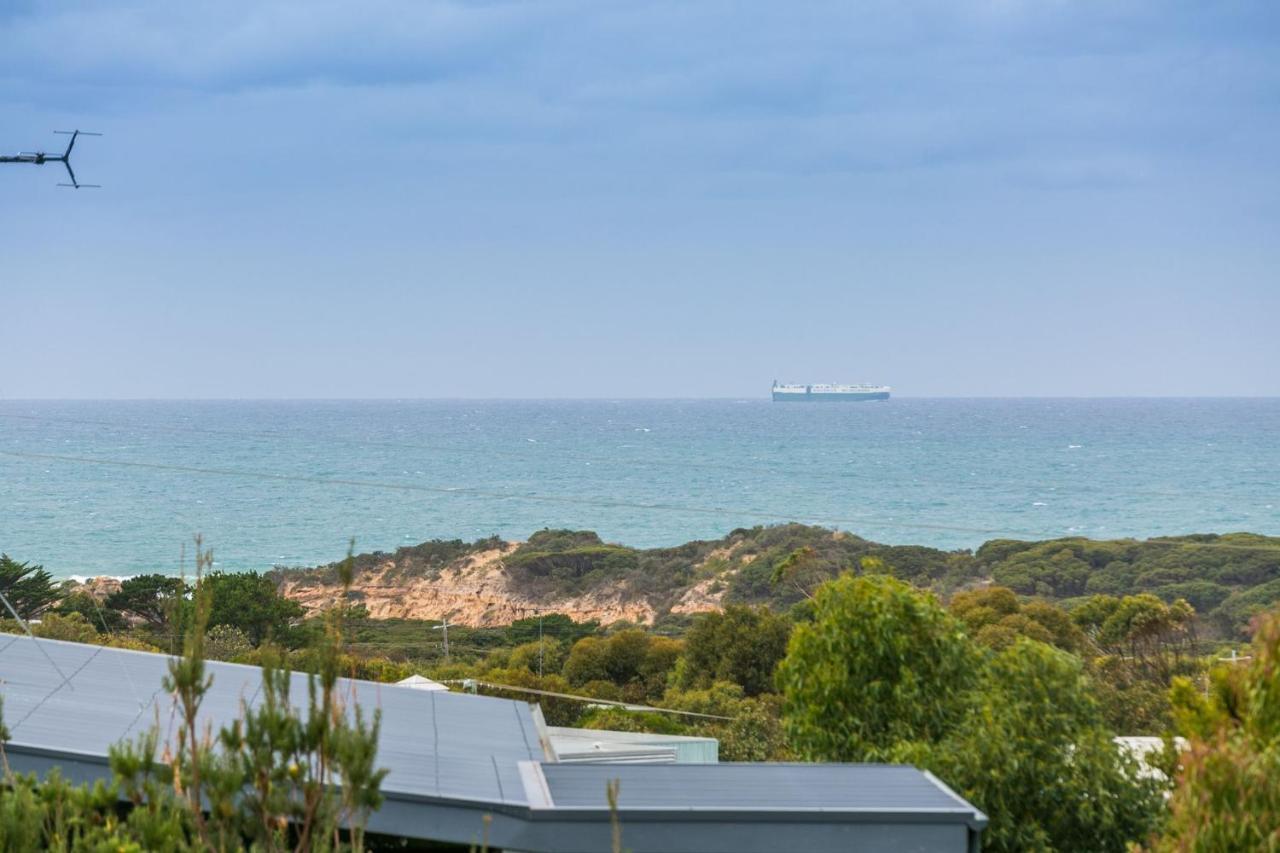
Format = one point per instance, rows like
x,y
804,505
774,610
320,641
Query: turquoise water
x,y
119,487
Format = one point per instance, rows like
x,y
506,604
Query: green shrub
x,y
883,673
226,642
741,645
1240,608
1226,797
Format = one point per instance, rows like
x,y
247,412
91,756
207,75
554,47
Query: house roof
x,y
456,759
573,745
435,744
421,682
853,788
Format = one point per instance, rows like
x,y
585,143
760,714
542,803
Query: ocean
x,y
119,488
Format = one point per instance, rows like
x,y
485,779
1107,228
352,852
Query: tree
x,y
1063,633
1146,626
752,730
151,598
540,657
556,711
880,663
979,607
1237,612
740,644
29,588
996,618
102,618
883,673
556,625
634,660
1035,755
587,661
250,601
1147,633
1226,797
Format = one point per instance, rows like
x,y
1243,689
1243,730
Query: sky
x,y
661,199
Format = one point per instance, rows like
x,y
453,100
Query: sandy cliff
x,y
479,592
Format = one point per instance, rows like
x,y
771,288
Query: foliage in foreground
x,y
277,778
1228,792
883,673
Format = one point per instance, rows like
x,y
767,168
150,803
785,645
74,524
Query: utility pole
x,y
443,627
539,644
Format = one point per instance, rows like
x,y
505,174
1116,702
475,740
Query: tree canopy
x,y
1227,796
880,663
28,587
996,617
883,673
633,659
249,601
740,644
151,598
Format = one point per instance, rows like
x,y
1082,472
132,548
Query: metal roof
x,y
434,744
421,682
455,759
718,808
870,788
602,746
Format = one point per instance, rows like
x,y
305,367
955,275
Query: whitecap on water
x,y
87,578
1039,503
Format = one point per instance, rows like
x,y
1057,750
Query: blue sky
x,y
608,199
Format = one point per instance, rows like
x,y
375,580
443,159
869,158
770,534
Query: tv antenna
x,y
39,158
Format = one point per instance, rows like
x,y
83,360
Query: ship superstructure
x,y
792,393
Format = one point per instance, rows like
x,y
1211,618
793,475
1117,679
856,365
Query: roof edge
x,y
979,821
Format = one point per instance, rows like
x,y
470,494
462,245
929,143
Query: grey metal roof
x,y
434,744
871,788
456,759
601,746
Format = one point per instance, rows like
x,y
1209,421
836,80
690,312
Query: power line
x,y
27,628
626,706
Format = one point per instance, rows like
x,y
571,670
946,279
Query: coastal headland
x,y
491,582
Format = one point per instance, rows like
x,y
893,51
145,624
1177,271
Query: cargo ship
x,y
828,393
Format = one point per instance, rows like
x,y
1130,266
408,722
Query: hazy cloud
x,y
569,161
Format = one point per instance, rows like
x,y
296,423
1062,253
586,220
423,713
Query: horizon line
x,y
617,399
